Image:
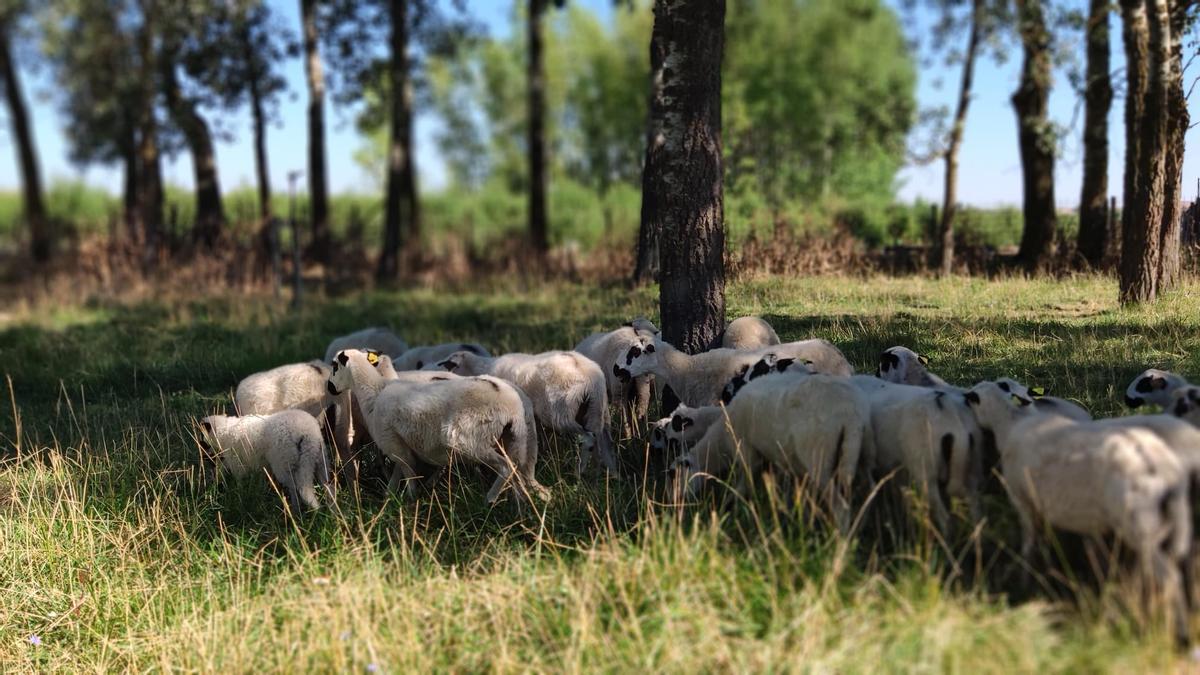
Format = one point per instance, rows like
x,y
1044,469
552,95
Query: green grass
x,y
119,555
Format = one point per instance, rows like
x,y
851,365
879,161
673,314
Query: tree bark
x,y
1036,139
150,187
402,207
259,123
1098,93
317,182
1144,27
650,228
27,160
950,193
689,184
1178,120
131,203
536,77
210,216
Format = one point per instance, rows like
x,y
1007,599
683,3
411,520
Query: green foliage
x,y
818,96
119,555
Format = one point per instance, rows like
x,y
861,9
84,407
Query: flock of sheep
x,y
749,403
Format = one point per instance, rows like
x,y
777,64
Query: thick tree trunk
x,y
950,193
689,184
318,188
210,216
1093,199
401,200
27,160
650,229
1145,29
536,77
130,201
1036,139
1177,125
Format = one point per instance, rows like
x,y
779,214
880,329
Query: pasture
x,y
117,553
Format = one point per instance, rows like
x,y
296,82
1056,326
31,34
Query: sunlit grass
x,y
117,554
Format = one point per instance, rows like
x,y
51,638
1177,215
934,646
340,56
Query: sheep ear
x,y
448,364
783,364
1194,394
343,358
1158,382
1020,402
922,359
1038,391
971,397
1181,407
650,348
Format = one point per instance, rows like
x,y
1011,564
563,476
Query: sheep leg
x,y
1164,577
587,443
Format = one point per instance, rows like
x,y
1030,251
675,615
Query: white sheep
x,y
1154,386
1093,479
377,339
697,380
930,436
812,425
1046,404
481,419
568,391
902,365
287,442
1186,404
299,386
417,358
821,356
748,332
613,351
684,427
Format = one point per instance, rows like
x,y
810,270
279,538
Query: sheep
x,y
1047,404
748,332
287,442
696,380
417,358
1093,479
612,351
376,339
817,425
821,356
930,435
437,421
684,427
568,391
1186,405
299,386
1153,386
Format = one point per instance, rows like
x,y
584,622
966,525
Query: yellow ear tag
x,y
1038,391
1017,400
372,358
924,360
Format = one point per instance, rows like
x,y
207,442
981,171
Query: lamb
x,y
612,351
748,332
684,427
929,435
1093,479
817,425
287,442
376,339
697,380
299,386
417,358
1153,386
478,418
568,391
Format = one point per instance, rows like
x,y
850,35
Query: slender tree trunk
x,y
1036,139
317,183
650,229
150,188
401,181
1178,120
536,76
689,183
259,123
210,216
950,193
131,202
1093,199
27,160
1144,28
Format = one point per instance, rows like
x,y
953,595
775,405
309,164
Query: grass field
x,y
115,554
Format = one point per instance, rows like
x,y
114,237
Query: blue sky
x,y
990,163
